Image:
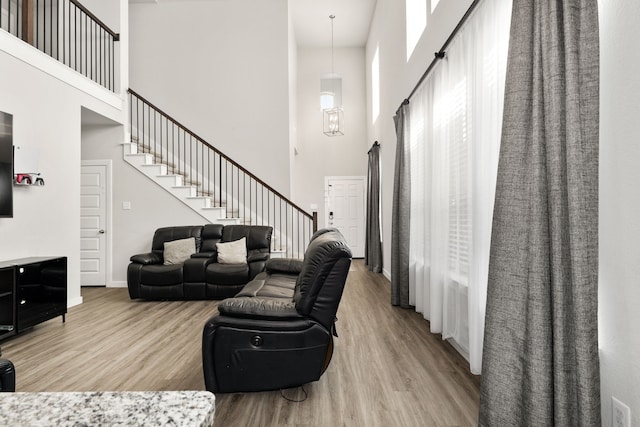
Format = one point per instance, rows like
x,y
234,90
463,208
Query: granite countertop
x,y
147,408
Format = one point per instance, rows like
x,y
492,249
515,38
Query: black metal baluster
x,y
130,116
50,30
208,172
58,29
63,32
280,224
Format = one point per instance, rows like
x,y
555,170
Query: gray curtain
x,y
373,241
540,356
401,213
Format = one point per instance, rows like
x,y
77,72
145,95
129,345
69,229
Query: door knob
x,y
101,231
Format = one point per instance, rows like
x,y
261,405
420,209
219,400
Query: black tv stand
x,y
32,290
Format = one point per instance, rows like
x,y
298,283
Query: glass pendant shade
x,y
333,121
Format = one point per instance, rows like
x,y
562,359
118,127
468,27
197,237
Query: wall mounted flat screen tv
x,y
6,165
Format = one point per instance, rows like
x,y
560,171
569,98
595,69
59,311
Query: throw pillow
x,y
232,252
178,251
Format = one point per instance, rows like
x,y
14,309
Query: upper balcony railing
x,y
66,31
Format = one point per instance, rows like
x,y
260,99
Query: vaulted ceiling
x,y
312,24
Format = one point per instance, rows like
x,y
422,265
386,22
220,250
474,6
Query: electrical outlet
x,y
620,414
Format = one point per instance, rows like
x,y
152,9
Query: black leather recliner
x,y
278,331
7,376
201,276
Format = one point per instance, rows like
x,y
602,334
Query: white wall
x,y
151,206
47,118
397,78
293,100
319,155
221,68
619,286
107,11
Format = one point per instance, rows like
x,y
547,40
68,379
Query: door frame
x,y
108,163
364,197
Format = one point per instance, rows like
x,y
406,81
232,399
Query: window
x,y
416,23
450,121
454,129
375,86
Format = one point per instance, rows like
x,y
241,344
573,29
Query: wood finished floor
x,y
387,369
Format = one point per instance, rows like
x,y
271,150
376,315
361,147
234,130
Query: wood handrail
x,y
76,3
227,158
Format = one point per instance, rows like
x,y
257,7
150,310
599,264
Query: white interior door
x,y
345,209
93,220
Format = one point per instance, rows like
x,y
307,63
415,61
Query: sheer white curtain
x,y
455,120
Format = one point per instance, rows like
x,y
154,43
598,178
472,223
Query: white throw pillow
x,y
232,252
178,251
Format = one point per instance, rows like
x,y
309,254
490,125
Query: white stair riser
x,y
153,170
199,202
167,181
185,192
139,159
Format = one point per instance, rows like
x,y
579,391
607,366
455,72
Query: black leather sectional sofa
x,y
201,276
278,331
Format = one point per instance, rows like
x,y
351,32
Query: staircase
x,y
209,182
175,184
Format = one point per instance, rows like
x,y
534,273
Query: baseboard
x,y
121,284
386,274
74,301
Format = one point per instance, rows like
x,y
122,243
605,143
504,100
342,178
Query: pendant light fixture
x,y
333,118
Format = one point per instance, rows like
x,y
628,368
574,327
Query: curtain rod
x,y
375,144
442,52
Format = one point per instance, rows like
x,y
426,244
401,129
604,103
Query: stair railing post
x,y
27,21
315,221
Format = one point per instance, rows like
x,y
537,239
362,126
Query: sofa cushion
x,y
271,286
232,252
227,274
178,251
161,275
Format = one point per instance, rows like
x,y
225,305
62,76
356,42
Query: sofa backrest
x,y
168,234
258,236
321,281
211,234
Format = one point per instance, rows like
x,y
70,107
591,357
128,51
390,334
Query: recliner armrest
x,y
148,258
258,256
263,308
204,254
7,376
284,265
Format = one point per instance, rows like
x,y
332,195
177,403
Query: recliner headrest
x,y
168,234
322,255
258,236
